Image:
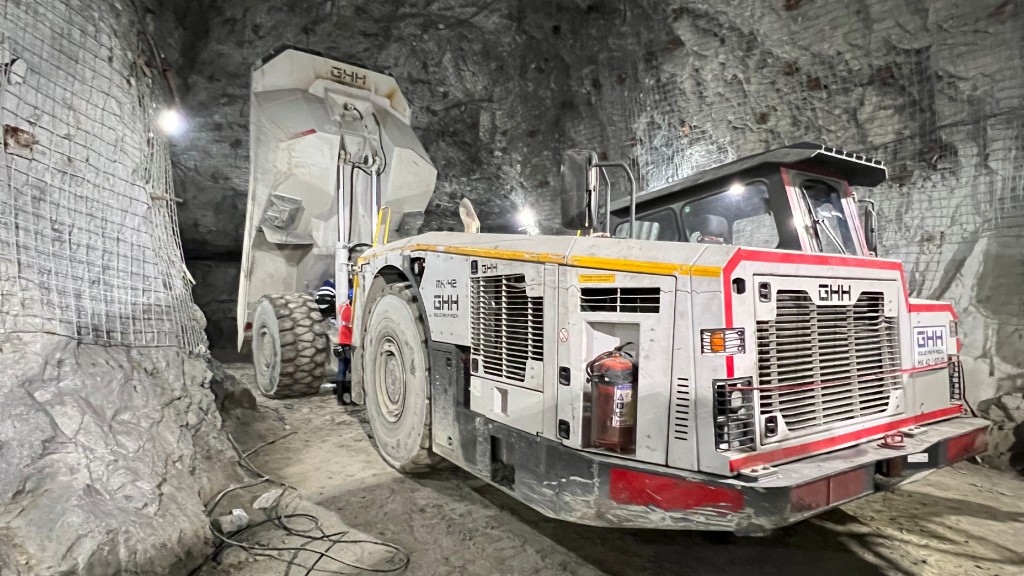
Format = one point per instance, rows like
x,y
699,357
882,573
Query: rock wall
x,y
110,454
110,439
499,89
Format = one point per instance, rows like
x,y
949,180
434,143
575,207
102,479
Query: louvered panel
x,y
507,326
682,410
821,365
621,299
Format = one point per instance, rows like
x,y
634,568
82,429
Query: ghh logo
x,y
835,292
931,338
348,76
446,302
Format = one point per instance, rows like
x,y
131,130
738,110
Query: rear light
x,y
954,329
723,341
670,493
734,414
956,379
970,444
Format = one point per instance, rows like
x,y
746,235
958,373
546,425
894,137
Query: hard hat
x,y
327,289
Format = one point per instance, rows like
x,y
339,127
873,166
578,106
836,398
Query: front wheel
x,y
395,375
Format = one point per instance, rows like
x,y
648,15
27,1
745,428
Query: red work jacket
x,y
345,325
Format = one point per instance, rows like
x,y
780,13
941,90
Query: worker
x,y
325,300
343,351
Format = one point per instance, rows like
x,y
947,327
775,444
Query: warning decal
x,y
596,278
623,415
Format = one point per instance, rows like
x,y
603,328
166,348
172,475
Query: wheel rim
x,y
267,352
390,377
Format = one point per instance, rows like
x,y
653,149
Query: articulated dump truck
x,y
724,353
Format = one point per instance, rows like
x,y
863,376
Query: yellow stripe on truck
x,y
499,254
708,271
596,262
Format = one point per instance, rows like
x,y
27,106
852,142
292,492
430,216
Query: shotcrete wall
x,y
935,88
109,441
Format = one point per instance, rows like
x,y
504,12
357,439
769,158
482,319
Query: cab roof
x,y
857,170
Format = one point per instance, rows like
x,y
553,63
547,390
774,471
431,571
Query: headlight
x,y
734,414
723,341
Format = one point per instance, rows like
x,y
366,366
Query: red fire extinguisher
x,y
613,376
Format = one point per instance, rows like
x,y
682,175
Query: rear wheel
x,y
395,375
289,345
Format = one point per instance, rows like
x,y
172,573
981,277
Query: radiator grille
x,y
821,365
630,300
507,327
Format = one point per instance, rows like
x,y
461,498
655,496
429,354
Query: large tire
x,y
395,376
289,346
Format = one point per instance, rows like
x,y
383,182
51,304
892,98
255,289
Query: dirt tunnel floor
x,y
964,520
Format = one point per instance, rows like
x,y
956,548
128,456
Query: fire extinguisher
x,y
613,376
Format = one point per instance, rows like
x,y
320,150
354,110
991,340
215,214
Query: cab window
x,y
665,226
739,215
831,228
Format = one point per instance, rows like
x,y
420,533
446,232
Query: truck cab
x,y
793,198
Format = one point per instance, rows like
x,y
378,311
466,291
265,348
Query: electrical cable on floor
x,y
268,443
216,500
322,537
281,520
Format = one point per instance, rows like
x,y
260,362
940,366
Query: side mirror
x,y
579,189
870,225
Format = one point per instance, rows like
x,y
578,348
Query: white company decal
x,y
446,305
929,346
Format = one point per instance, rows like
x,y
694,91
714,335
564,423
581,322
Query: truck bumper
x,y
591,488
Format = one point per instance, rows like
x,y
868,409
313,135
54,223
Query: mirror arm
x,y
632,193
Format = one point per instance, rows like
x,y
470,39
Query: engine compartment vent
x,y
625,299
681,410
507,326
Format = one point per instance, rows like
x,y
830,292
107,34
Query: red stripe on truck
x,y
924,368
967,445
787,257
934,307
826,444
832,490
668,493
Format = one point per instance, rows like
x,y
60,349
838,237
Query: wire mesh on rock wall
x,y
934,89
88,234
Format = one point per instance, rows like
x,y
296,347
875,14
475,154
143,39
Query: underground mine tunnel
x,y
511,287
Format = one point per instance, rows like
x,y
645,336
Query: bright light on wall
x,y
171,122
528,221
736,188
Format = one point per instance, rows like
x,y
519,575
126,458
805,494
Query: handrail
x,y
387,225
